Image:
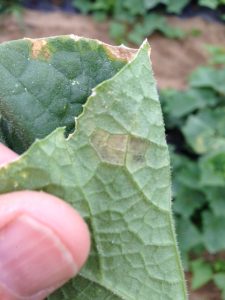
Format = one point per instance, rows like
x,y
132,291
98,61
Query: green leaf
x,y
149,4
186,186
176,6
212,167
185,171
208,77
215,196
213,235
154,22
219,280
178,104
33,106
188,238
209,3
99,16
188,235
85,6
117,31
134,7
115,170
205,131
187,201
198,134
202,273
219,265
217,54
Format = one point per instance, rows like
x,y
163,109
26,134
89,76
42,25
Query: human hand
x,y
43,242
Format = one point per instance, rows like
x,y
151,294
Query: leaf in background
x,y
175,6
45,82
210,3
178,104
154,22
134,7
205,131
186,229
188,238
115,170
188,174
219,280
186,185
216,198
202,273
213,233
212,168
117,31
187,201
208,77
198,134
217,54
85,6
152,3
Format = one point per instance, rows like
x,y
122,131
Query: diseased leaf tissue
x,y
113,168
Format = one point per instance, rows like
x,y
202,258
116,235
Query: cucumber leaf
x,y
115,170
45,82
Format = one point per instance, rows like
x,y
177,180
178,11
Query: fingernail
x,y
33,259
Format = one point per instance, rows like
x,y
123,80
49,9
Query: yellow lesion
x,y
110,147
136,152
119,149
39,48
120,52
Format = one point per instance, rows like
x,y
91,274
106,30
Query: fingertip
x,y
53,230
6,155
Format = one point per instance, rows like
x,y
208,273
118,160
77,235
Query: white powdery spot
x,y
75,82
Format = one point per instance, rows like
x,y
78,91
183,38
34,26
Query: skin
x,y
43,242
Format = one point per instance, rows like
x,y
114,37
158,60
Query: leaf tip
x,y
146,46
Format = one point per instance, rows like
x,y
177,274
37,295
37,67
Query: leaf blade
x,y
115,170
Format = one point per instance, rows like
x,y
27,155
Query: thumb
x,y
43,243
6,155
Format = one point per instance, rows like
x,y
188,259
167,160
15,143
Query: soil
x,y
173,60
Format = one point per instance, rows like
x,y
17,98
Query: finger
x,y
44,243
6,155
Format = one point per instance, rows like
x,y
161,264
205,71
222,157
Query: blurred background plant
x,y
195,124
194,116
133,20
14,8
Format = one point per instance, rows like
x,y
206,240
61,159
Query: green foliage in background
x,y
134,20
14,8
131,20
10,6
195,122
213,4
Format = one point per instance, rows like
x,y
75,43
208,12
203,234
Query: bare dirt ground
x,y
172,60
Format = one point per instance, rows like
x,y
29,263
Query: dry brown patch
x,y
39,48
121,52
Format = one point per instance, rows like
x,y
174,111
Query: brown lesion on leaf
x,y
120,149
115,52
39,48
120,52
110,147
136,151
